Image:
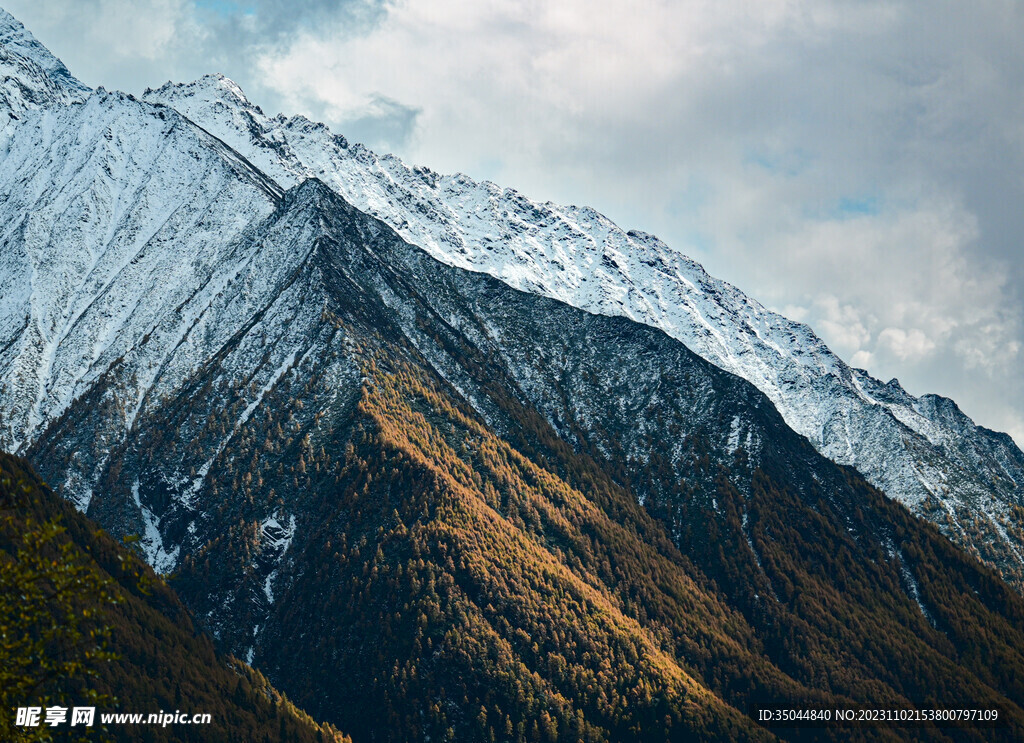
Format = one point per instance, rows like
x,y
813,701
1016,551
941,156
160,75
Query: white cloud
x,y
991,348
862,359
841,324
129,33
534,78
906,345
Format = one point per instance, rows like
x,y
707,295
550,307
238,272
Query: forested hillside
x,y
85,622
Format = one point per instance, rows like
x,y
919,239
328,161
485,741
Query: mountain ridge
x,y
933,463
921,451
393,436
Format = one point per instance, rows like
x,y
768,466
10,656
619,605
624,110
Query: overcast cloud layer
x,y
856,165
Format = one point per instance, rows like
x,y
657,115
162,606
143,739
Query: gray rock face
x,y
271,368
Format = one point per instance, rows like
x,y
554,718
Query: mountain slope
x,y
922,451
160,661
94,194
432,481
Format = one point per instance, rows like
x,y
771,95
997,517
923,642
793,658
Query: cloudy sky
x,y
857,165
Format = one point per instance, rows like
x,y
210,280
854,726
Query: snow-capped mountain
x,y
922,451
190,168
95,195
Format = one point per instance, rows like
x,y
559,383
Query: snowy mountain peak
x,y
210,89
130,177
30,76
93,197
905,446
9,25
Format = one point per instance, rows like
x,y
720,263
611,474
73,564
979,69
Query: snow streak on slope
x,y
919,450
